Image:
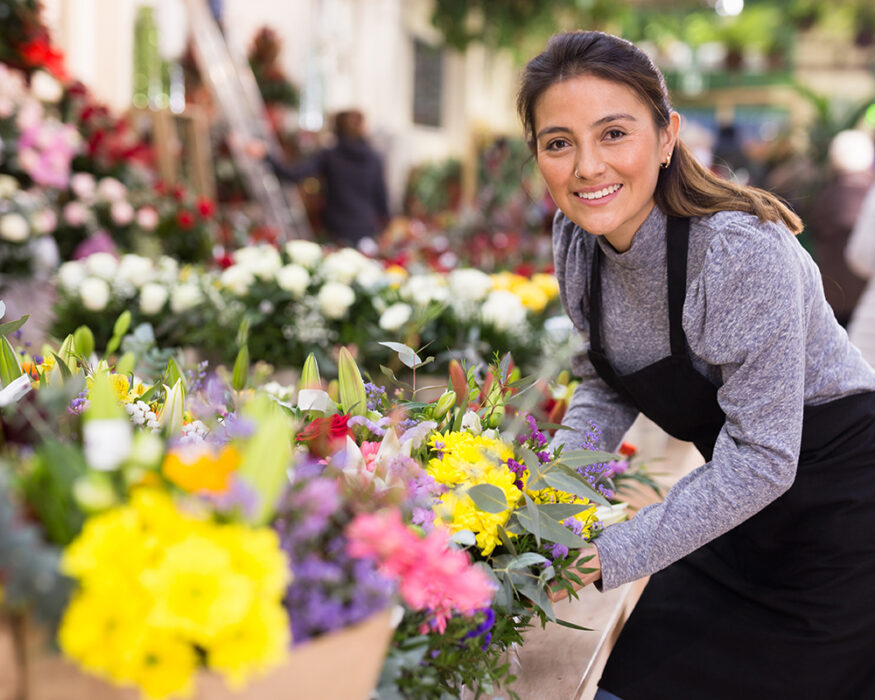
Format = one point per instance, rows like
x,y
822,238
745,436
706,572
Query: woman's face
x,y
605,132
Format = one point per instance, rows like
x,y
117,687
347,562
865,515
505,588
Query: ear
x,y
670,133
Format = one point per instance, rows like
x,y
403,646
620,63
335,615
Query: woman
x,y
703,312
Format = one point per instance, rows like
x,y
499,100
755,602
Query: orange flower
x,y
196,468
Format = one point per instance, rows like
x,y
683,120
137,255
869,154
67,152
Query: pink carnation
x,y
431,575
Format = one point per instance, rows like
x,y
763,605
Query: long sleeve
x,y
295,172
747,314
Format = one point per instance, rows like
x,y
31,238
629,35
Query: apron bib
x,y
783,605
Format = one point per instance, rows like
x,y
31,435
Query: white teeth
x,y
601,193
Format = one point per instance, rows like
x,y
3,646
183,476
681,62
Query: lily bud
x,y
310,374
444,404
170,415
352,388
459,382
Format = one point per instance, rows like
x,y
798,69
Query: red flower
x,y
178,193
628,450
224,261
160,187
324,435
206,207
185,219
38,53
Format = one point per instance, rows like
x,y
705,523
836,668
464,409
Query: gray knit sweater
x,y
757,325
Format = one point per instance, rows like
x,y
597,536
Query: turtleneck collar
x,y
648,243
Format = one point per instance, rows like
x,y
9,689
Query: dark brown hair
x,y
686,187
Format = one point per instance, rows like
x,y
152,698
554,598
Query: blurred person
x,y
860,257
699,308
833,214
352,177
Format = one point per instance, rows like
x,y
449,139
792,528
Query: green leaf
x,y
525,560
10,368
266,456
534,517
173,373
406,354
103,404
126,363
571,625
551,530
583,458
539,597
62,367
562,477
506,542
561,511
83,341
122,324
488,498
240,375
12,326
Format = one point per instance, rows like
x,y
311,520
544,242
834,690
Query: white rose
x,y
262,261
503,309
470,284
121,212
342,266
45,88
335,299
14,228
94,293
101,265
83,185
423,289
395,316
185,297
111,190
294,279
371,276
75,214
238,279
8,186
70,275
152,298
306,253
45,221
147,218
136,269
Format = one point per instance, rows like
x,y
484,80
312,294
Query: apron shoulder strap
x,y
677,243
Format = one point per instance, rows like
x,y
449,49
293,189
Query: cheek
x,y
552,171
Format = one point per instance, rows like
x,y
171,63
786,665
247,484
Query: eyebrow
x,y
619,116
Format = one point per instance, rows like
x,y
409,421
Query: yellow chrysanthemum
x,y
257,643
197,592
258,554
199,467
507,281
162,664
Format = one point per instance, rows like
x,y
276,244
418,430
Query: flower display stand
x,y
343,665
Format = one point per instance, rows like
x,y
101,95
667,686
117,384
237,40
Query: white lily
x,y
170,416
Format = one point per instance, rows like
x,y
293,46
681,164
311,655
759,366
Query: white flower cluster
x,y
100,277
142,415
194,432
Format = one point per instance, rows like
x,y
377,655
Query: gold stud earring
x,y
664,165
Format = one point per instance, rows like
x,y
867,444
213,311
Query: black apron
x,y
782,606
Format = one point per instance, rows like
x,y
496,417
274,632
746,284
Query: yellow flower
x,y
259,642
547,283
258,555
531,296
200,468
162,664
98,630
197,592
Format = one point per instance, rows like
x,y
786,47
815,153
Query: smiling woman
x,y
700,309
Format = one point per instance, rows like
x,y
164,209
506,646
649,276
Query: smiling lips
x,y
598,194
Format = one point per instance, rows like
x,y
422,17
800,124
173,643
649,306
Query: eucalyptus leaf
x,y
571,625
488,498
534,518
539,597
406,354
551,530
561,477
561,511
525,560
583,458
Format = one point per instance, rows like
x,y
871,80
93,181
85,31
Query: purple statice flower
x,y
37,359
483,628
517,469
592,437
407,424
615,467
560,551
79,403
374,394
329,589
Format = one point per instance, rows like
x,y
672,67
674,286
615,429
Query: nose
x,y
588,164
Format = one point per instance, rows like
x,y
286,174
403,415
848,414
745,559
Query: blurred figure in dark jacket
x,y
351,173
834,214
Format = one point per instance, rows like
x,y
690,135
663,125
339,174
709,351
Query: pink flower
x,y
369,454
147,218
431,574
